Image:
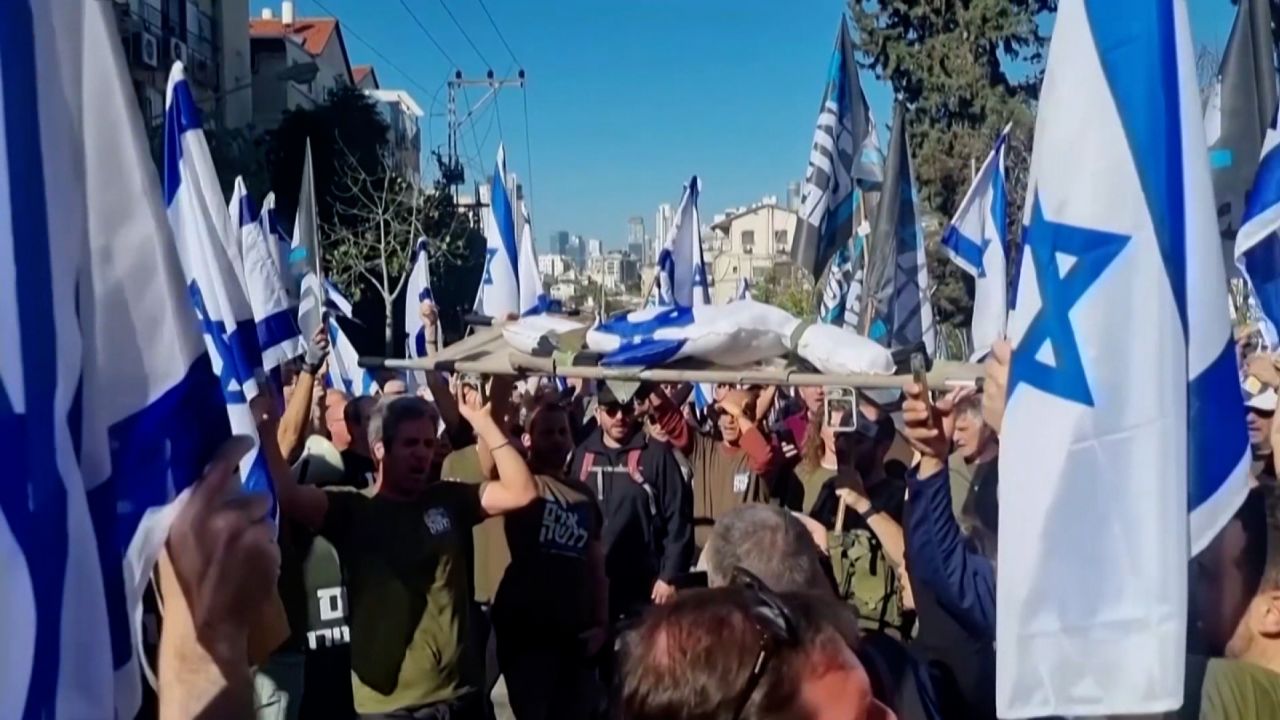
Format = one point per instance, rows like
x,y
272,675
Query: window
x,y
780,244
748,240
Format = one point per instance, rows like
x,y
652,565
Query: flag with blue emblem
x,y
1124,440
743,292
108,405
499,293
277,326
304,252
977,242
279,245
532,297
682,269
1241,107
1257,250
210,253
845,159
345,373
896,310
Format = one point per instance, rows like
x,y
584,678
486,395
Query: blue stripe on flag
x,y
638,346
1129,49
278,327
1220,158
1265,192
1214,451
183,115
505,219
33,497
965,248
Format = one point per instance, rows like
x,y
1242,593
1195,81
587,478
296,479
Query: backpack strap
x,y
588,461
633,465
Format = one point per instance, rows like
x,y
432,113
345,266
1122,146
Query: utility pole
x,y
452,174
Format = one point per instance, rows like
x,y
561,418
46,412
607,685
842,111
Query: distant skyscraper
x,y
662,226
594,248
635,240
578,251
793,196
560,242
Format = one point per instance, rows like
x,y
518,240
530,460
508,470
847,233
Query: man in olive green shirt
x,y
404,546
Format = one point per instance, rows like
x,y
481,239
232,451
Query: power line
x,y
427,32
356,36
500,35
464,33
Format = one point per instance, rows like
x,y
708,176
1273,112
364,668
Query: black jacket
x,y
648,533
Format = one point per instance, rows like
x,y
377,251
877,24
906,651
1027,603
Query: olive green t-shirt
x,y
722,481
491,555
408,590
1237,690
812,478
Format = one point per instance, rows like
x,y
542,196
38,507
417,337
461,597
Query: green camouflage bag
x,y
868,581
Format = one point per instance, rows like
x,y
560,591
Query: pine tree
x,y
965,69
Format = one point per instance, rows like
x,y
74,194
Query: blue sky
x,y
626,100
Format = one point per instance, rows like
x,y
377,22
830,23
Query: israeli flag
x,y
345,373
977,241
499,287
1258,242
532,297
108,405
304,252
278,333
278,244
744,290
210,255
682,270
1124,407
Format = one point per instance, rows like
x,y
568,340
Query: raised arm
x,y
963,581
514,488
762,455
886,529
303,503
667,415
294,424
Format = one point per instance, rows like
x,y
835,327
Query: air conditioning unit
x,y
148,49
177,51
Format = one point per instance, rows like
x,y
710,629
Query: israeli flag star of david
x,y
1124,427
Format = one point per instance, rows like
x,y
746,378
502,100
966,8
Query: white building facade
x,y
748,244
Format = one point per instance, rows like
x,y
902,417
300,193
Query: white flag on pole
x,y
499,285
532,298
274,317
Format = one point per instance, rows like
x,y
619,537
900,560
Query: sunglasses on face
x,y
776,626
613,410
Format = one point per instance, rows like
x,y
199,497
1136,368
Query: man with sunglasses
x,y
642,495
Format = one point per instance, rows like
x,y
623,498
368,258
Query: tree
x,y
346,131
964,69
788,287
377,220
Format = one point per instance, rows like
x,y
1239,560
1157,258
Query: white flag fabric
x,y
1124,408
108,406
345,373
417,291
278,244
499,286
304,251
277,327
210,261
1257,251
682,271
976,240
532,298
744,290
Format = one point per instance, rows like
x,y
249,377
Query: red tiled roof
x,y
359,72
314,33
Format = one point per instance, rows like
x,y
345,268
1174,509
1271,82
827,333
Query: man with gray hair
x,y
772,543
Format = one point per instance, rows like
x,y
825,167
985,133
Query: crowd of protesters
x,y
481,548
